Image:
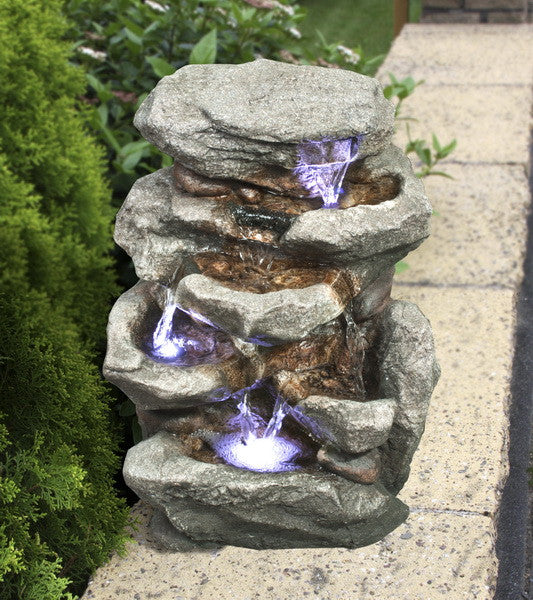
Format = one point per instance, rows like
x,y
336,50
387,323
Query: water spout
x,y
322,166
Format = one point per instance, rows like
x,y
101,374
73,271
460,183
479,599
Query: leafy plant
x,y
429,155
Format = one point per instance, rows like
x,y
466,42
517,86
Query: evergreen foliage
x,y
43,137
59,515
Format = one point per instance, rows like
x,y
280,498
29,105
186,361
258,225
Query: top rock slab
x,y
235,121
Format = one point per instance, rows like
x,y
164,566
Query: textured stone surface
x,y
460,463
450,54
430,556
210,502
373,298
233,121
408,373
351,426
154,385
473,236
282,316
361,468
158,225
374,232
487,129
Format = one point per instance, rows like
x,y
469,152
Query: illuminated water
x,y
322,166
175,338
256,447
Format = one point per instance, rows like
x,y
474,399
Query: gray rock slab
x,y
408,373
154,385
233,121
366,231
219,503
274,317
351,426
159,224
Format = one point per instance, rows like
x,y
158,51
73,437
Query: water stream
x,y
322,166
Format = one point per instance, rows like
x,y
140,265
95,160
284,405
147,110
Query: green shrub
x,y
45,142
59,514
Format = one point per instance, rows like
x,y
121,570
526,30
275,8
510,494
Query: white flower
x,y
97,54
156,6
349,55
289,10
295,32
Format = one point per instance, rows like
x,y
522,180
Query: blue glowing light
x,y
322,166
256,445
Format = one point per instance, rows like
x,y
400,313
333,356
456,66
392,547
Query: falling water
x,y
322,166
256,447
165,343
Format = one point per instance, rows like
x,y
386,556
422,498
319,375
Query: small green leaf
x,y
441,174
137,40
134,147
205,51
436,145
424,154
160,66
448,149
166,161
103,113
131,160
401,266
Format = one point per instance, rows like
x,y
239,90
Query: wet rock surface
x,y
211,503
364,231
243,121
272,317
361,468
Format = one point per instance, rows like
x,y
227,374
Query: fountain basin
x,y
225,505
380,232
152,384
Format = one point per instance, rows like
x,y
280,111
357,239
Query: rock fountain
x,y
281,392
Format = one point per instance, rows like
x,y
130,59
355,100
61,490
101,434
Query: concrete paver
x,y
454,559
458,465
476,234
463,54
491,123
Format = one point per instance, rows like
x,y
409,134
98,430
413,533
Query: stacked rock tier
x,y
279,296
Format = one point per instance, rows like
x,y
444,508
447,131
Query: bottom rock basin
x,y
219,504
